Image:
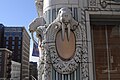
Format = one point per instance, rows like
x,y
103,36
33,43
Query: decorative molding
x,y
92,3
103,3
61,66
50,57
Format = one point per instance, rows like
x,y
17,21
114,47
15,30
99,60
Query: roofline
x,y
5,49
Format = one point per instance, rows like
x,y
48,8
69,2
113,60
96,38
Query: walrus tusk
x,y
68,32
63,31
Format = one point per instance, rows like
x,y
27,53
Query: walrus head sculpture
x,y
65,21
65,17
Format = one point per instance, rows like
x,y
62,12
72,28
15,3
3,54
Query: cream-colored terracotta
x,y
65,48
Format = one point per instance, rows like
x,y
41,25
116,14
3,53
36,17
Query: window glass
x,y
106,48
19,47
7,34
18,33
6,42
19,43
13,47
19,37
13,33
7,38
13,38
13,43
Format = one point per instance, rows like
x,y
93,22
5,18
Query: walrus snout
x,y
65,18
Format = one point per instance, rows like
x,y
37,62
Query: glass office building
x,y
101,19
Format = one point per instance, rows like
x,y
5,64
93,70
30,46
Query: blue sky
x,y
18,13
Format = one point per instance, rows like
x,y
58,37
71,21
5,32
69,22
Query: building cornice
x,y
5,49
